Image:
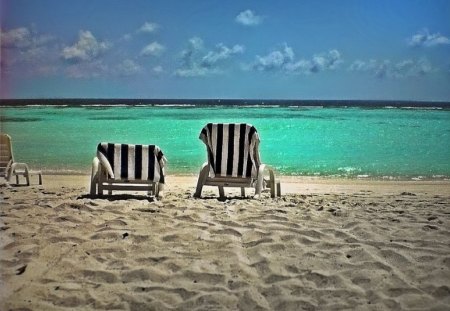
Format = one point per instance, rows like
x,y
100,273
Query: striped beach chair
x,y
233,160
128,167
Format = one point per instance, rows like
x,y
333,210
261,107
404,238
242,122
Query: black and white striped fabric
x,y
232,149
132,162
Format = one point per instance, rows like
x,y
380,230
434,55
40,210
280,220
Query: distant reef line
x,y
222,102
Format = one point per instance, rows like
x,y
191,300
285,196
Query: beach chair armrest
x,y
94,175
272,183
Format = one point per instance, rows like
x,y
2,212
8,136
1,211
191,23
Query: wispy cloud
x,y
197,61
92,69
23,37
387,69
86,48
424,38
248,18
15,38
276,60
158,69
153,49
283,60
128,67
148,27
221,52
26,51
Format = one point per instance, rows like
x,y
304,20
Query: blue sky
x,y
292,49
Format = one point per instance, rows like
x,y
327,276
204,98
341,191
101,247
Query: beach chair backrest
x,y
132,162
232,149
6,155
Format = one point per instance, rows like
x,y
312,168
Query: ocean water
x,y
388,140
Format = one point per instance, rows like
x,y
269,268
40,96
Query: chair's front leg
x,y
260,181
221,192
272,184
94,176
27,174
101,176
204,172
159,190
8,171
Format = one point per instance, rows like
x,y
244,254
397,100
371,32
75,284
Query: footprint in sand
x,y
203,277
21,270
99,276
430,227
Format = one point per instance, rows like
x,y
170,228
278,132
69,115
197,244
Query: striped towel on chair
x,y
132,162
232,149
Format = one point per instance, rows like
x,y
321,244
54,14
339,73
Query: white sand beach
x,y
326,244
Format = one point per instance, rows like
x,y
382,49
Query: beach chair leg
x,y
159,190
100,177
243,192
94,182
95,177
99,186
272,184
40,178
151,189
198,190
221,192
260,181
93,191
204,172
17,179
26,173
278,188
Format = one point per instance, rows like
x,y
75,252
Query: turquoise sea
x,y
365,141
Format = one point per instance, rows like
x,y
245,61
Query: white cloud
x,y
196,61
248,18
158,69
28,53
275,60
153,49
18,37
387,69
221,53
23,38
128,67
325,61
126,37
424,38
149,27
284,60
84,70
86,49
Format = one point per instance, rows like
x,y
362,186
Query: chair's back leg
x,y
243,191
221,192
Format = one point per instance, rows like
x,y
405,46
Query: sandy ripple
x,y
314,251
